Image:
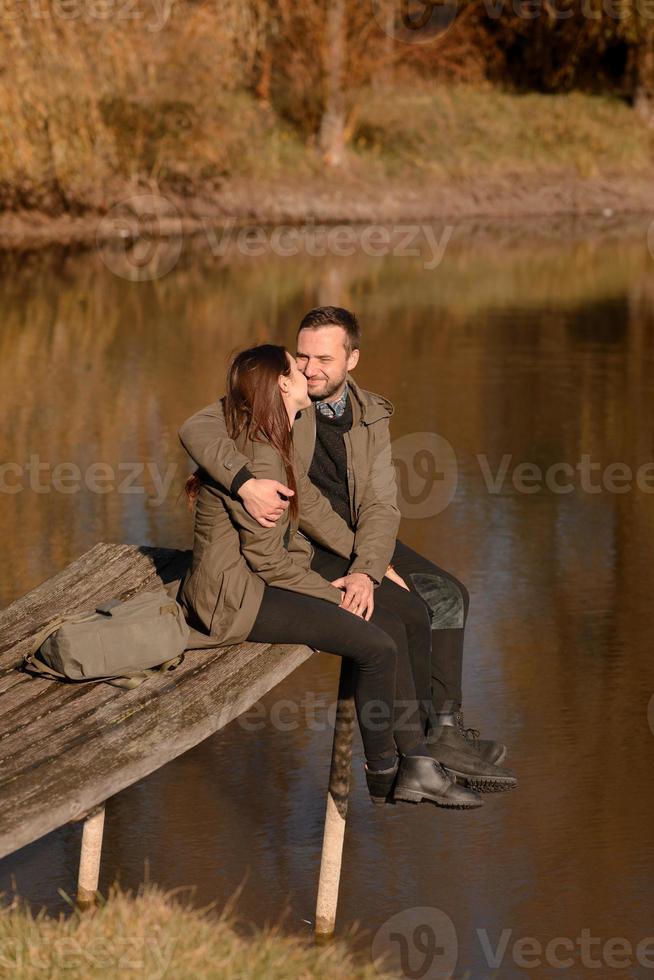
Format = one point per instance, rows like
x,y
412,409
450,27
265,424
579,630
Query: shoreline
x,y
339,200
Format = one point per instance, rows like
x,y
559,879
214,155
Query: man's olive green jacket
x,y
371,475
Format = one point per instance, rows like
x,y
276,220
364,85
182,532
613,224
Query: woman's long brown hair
x,y
254,402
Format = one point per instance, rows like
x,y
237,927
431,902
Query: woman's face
x,y
294,387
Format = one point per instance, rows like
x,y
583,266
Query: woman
x,y
247,582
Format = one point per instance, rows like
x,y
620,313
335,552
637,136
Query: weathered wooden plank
x,y
64,748
136,734
44,715
95,705
40,694
11,679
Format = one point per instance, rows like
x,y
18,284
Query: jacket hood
x,y
373,406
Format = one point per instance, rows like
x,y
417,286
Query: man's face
x,y
323,359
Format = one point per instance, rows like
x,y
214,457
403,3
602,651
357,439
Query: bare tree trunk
x,y
388,70
262,89
332,125
644,79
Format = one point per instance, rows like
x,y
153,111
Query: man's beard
x,y
333,387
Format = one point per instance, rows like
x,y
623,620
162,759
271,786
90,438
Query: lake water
x,y
523,346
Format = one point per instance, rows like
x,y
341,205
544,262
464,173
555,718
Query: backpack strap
x,y
35,665
133,680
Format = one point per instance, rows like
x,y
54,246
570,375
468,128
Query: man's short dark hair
x,y
334,316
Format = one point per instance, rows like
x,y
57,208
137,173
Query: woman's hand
x,y
394,577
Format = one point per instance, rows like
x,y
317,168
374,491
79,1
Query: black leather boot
x,y
461,761
380,783
486,748
489,750
422,778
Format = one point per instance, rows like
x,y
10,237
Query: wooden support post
x,y
337,800
89,862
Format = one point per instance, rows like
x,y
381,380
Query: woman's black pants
x,y
385,694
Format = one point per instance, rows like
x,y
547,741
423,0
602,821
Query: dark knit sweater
x,y
328,470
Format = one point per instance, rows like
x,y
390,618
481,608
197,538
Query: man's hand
x,y
262,501
359,592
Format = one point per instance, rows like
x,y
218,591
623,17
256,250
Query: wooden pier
x,y
66,747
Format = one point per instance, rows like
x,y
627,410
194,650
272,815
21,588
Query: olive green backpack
x,y
122,642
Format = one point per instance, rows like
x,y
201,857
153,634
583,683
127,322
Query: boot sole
x,y
412,796
484,784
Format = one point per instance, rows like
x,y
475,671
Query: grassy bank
x,y
153,935
91,149
193,148
468,132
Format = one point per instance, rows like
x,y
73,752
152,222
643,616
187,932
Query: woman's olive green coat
x,y
233,555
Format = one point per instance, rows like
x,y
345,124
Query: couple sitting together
x,y
296,518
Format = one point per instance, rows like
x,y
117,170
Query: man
x,y
345,439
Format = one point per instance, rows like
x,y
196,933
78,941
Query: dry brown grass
x,y
150,93
153,935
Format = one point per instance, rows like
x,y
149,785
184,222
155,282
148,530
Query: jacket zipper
x,y
313,550
350,471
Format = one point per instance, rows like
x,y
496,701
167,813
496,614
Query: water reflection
x,y
537,350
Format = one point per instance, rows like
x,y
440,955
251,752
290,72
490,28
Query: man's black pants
x,y
437,652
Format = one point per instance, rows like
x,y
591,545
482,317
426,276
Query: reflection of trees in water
x,y
95,368
543,354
